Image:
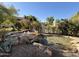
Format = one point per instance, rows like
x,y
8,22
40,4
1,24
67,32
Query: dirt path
x,y
74,38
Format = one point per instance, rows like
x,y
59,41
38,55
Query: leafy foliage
x,y
8,16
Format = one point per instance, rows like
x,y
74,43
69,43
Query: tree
x,y
17,25
74,20
34,24
7,13
50,20
50,24
63,26
3,13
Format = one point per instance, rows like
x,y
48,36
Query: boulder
x,y
31,51
23,37
19,38
40,39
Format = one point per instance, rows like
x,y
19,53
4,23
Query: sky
x,y
44,9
